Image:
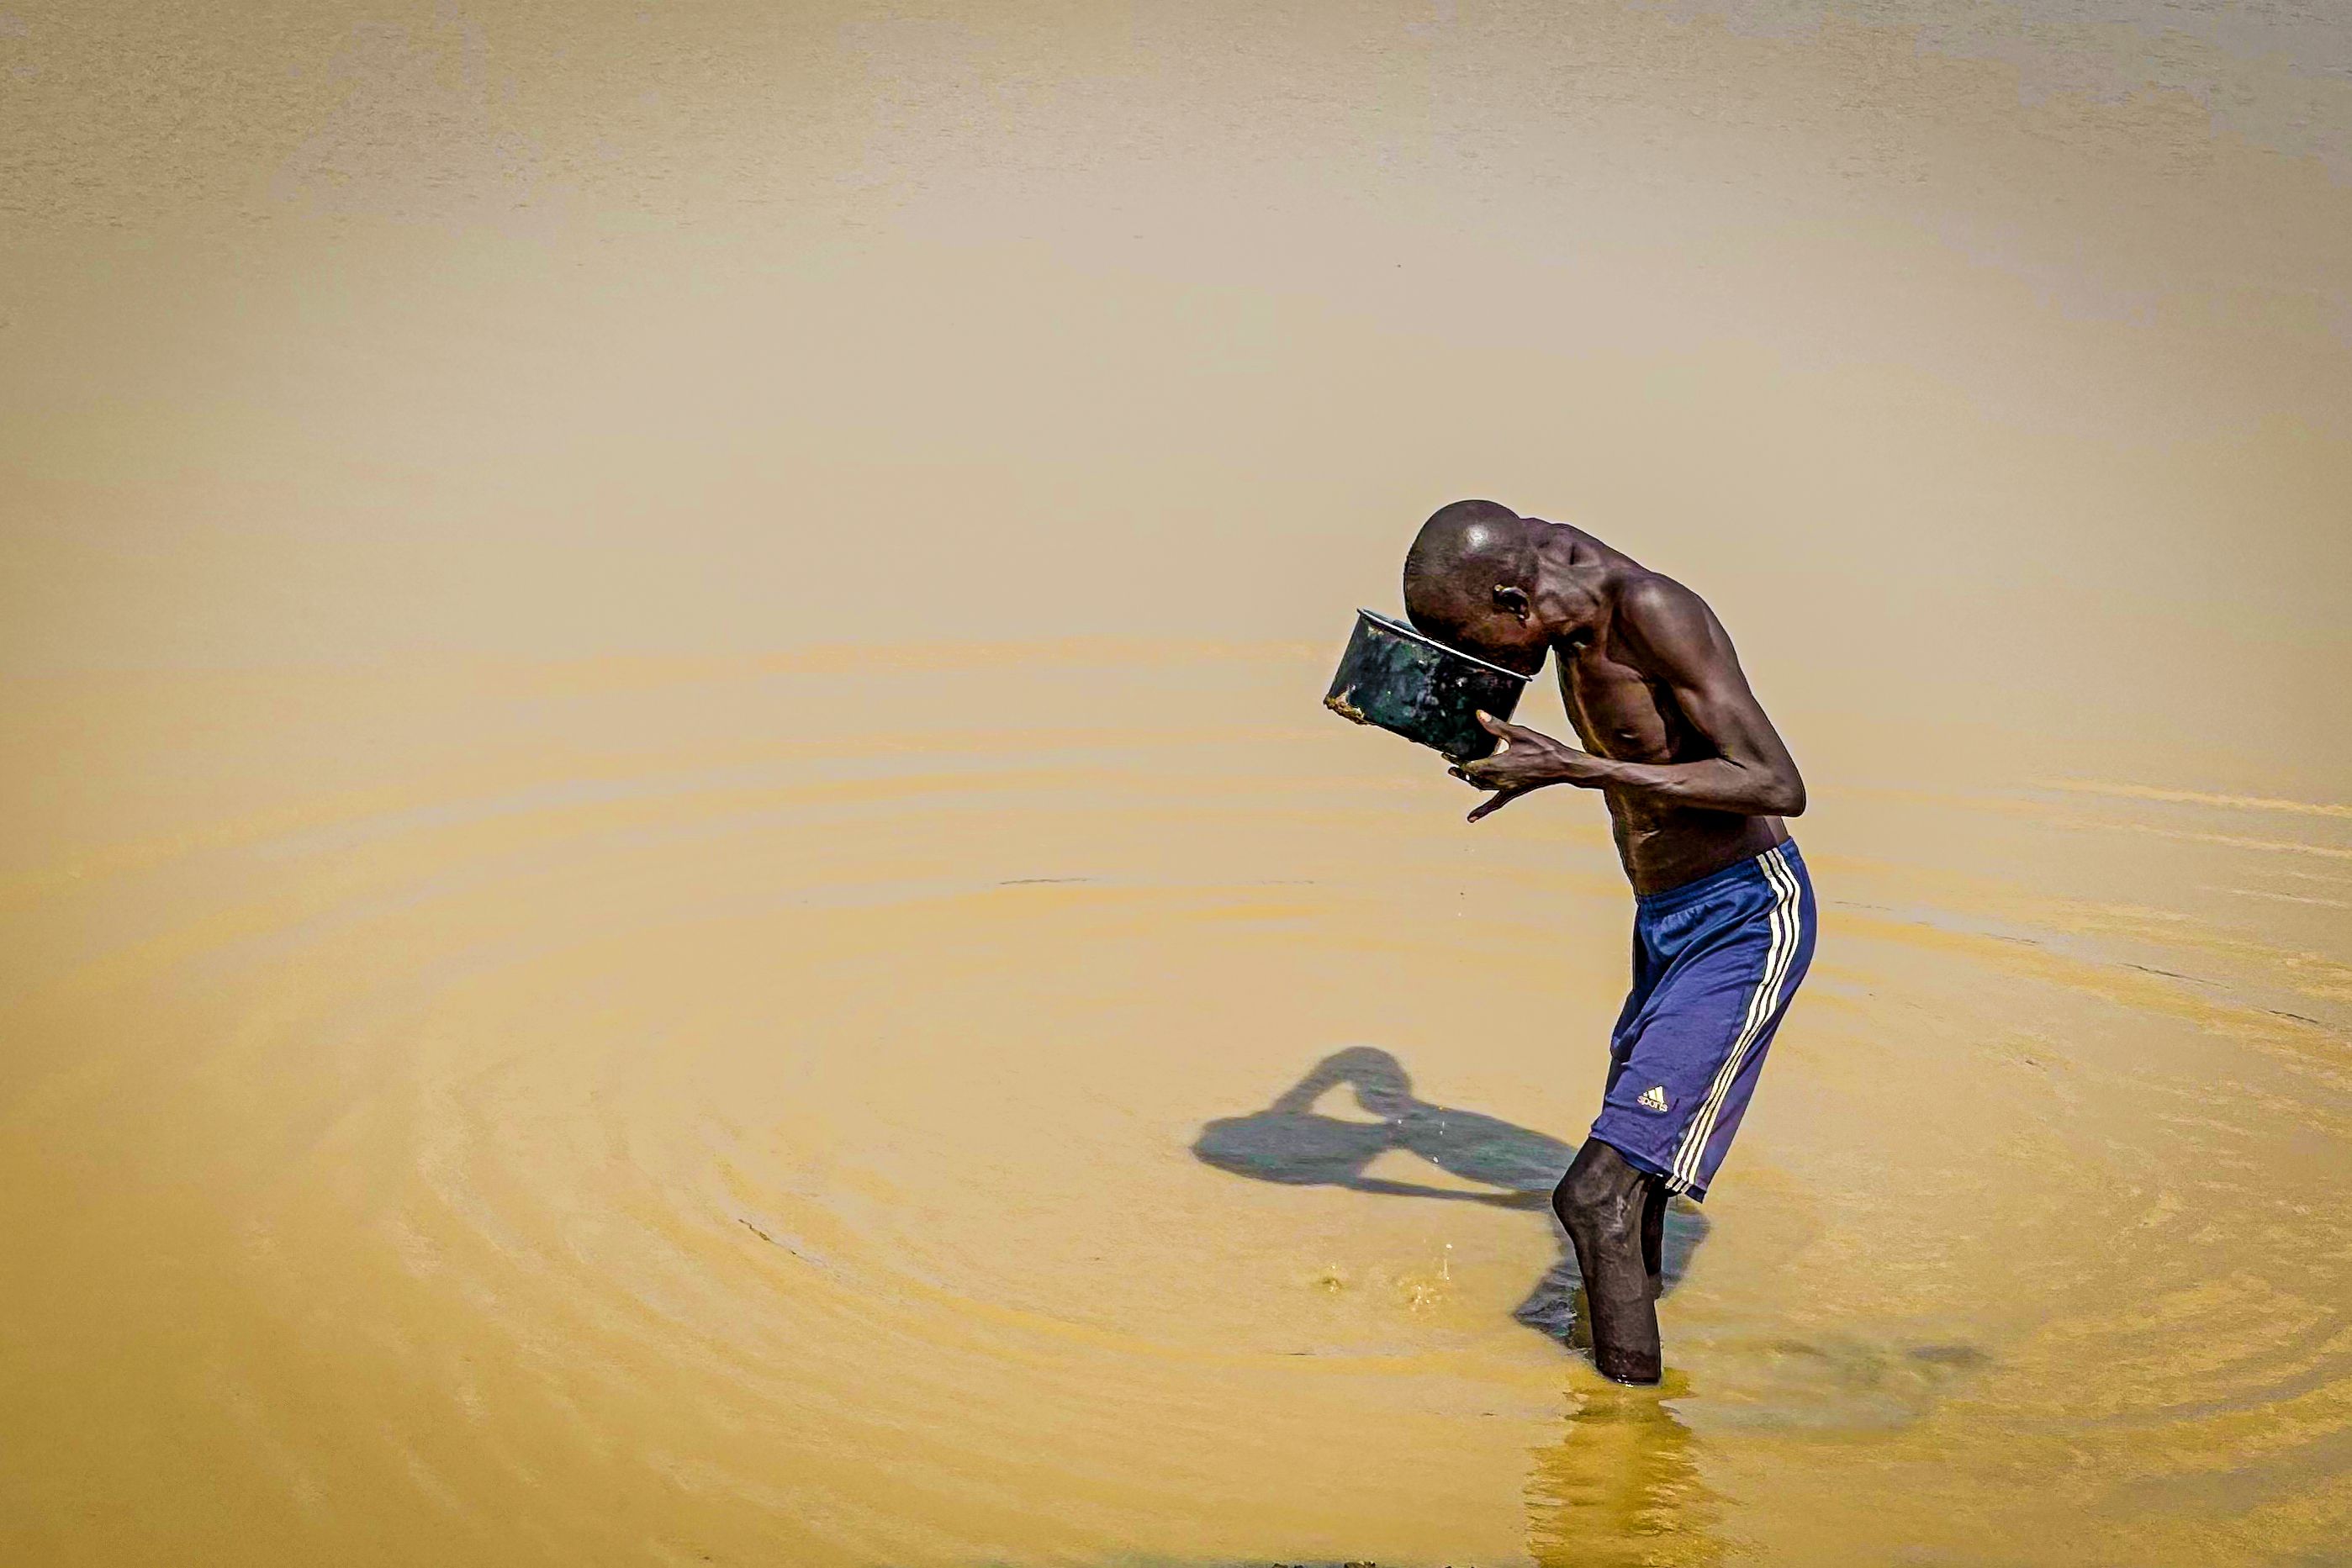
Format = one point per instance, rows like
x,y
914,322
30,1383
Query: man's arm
x,y
1679,641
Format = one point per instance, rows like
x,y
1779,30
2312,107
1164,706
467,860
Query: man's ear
x,y
1512,601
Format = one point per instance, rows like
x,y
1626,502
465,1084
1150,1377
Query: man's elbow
x,y
1788,798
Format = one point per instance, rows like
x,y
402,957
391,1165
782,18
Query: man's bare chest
x,y
1619,710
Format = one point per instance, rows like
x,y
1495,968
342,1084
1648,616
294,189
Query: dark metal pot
x,y
1395,678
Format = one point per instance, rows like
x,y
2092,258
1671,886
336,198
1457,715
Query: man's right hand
x,y
1523,760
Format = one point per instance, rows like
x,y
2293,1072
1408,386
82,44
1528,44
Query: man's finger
x,y
1497,728
1500,800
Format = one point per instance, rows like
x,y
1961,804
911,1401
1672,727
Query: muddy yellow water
x,y
672,889
673,1112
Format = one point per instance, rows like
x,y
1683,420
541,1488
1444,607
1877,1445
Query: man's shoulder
x,y
1653,602
1667,628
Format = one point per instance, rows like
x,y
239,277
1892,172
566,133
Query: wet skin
x,y
1694,775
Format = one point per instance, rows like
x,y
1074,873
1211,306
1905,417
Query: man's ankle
x,y
1638,1367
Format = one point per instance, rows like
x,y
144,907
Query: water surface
x,y
656,1111
672,889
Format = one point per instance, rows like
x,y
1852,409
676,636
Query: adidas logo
x,y
1653,1098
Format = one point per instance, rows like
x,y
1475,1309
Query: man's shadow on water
x,y
1288,1143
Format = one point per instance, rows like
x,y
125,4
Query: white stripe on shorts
x,y
1786,915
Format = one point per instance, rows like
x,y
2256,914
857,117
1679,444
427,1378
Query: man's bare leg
x,y
1604,1204
1653,1235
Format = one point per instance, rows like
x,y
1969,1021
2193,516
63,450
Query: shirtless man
x,y
1697,782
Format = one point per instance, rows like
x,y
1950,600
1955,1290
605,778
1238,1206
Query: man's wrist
x,y
1581,768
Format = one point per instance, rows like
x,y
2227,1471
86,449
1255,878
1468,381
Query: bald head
x,y
1469,580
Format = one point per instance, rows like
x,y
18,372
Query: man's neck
x,y
1577,582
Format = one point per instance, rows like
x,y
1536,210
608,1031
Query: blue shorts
x,y
1715,964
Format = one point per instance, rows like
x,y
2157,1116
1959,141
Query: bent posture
x,y
1697,782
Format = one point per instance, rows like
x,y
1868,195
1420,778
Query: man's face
x,y
1493,621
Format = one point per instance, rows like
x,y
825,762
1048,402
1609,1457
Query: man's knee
x,y
1593,1200
1580,1212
